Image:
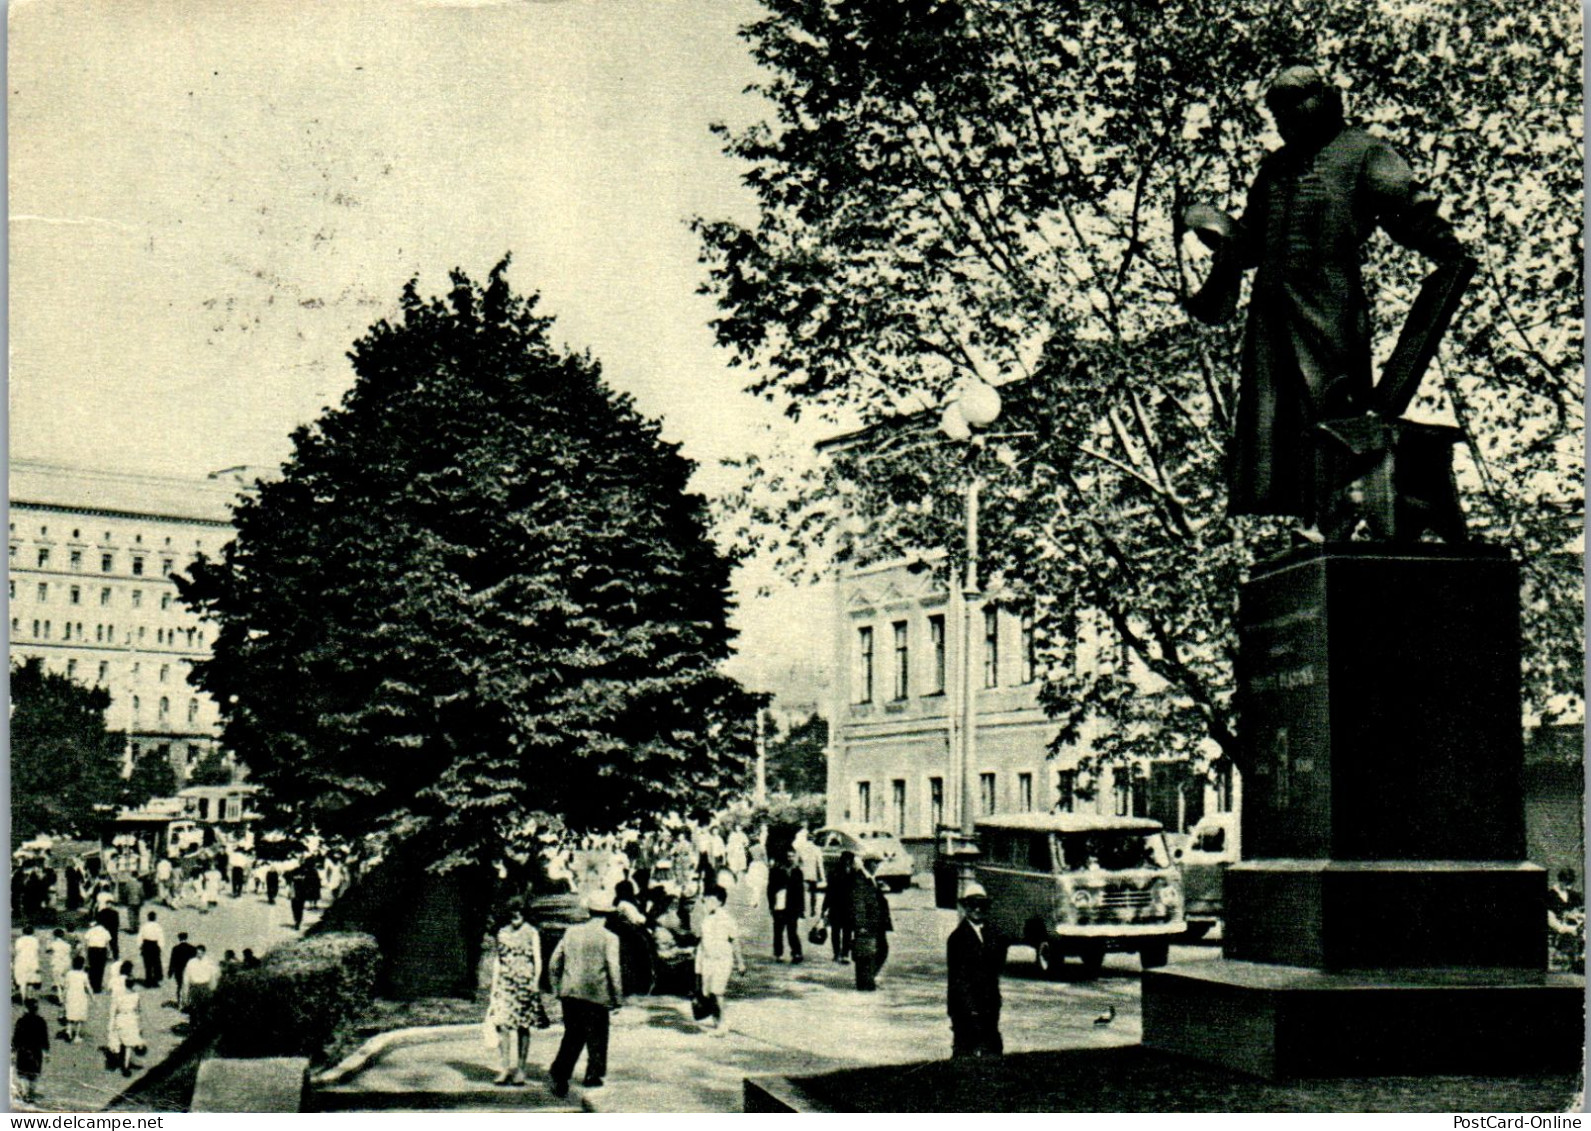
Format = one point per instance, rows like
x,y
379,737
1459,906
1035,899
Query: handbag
x,y
818,935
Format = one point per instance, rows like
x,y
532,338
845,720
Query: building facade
x,y
91,595
897,708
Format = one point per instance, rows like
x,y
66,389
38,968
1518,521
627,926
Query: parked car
x,y
1212,847
1073,884
871,843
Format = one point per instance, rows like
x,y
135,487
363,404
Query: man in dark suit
x,y
974,957
787,892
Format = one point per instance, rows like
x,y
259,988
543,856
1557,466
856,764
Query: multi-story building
x,y
91,559
898,716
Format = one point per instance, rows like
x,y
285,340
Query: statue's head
x,y
1304,104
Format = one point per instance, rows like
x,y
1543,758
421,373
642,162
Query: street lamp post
x,y
977,405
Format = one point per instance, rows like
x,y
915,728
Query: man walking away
x,y
181,955
973,957
273,881
871,919
811,857
29,1041
96,949
787,892
151,940
586,977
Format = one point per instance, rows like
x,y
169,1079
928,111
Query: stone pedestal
x,y
1385,920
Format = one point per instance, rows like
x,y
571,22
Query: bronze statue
x,y
1316,437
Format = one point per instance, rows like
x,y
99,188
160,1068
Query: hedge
x,y
296,1000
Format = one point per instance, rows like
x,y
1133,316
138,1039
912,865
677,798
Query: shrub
x,y
295,1002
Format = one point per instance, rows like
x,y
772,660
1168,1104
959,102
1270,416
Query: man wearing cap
x,y
586,977
974,957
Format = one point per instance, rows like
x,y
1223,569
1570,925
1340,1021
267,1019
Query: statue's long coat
x,y
1306,351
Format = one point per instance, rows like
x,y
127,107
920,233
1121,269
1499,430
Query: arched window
x,y
193,710
165,707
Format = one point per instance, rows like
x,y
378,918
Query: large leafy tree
x,y
152,776
64,762
479,590
955,189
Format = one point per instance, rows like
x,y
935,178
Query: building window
x,y
204,808
1030,658
99,634
44,591
193,754
13,589
864,802
936,802
140,634
104,597
75,595
13,553
44,557
35,630
165,707
138,566
165,601
1024,793
936,644
76,558
986,793
1223,783
165,670
1131,793
104,671
897,805
46,630
138,598
864,664
71,668
107,562
193,710
16,627
137,705
991,647
902,660
165,567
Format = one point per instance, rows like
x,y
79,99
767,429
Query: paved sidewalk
x,y
783,1019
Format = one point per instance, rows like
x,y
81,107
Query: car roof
x,y
1068,823
857,830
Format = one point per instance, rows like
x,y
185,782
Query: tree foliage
x,y
152,776
953,189
64,762
479,589
796,763
210,769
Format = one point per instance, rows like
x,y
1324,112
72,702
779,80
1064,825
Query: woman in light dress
x,y
25,964
717,956
125,1034
514,1004
212,888
74,999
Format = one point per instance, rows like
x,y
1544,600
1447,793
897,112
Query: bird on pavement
x,y
1107,1017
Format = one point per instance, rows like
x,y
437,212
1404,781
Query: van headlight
x,y
1083,899
1167,895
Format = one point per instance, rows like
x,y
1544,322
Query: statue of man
x,y
1306,352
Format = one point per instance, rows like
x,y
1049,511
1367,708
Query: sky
x,y
210,203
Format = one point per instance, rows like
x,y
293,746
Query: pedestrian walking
x,y
96,948
737,851
163,882
514,1003
107,918
787,893
811,857
30,1041
718,955
973,958
198,984
299,881
25,965
586,976
74,999
151,941
212,887
837,910
181,955
125,1035
273,882
871,919
60,956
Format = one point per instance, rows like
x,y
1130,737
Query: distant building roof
x,y
111,492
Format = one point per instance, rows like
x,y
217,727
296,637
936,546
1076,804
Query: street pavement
x,y
783,1019
75,1077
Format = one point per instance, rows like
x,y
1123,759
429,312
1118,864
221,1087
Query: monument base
x,y
1287,1021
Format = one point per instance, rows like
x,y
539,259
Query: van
x,y
1212,848
1073,884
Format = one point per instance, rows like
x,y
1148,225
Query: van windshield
x,y
1113,851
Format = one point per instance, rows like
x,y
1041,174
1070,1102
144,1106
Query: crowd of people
x,y
113,942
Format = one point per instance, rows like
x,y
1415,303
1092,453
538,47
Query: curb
x,y
361,1058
